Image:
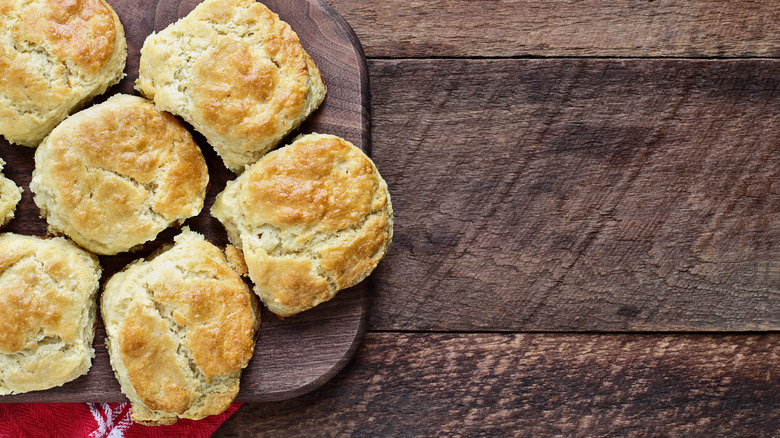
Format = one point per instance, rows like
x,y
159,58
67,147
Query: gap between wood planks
x,y
430,28
594,57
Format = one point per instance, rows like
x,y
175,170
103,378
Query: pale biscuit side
x,y
10,195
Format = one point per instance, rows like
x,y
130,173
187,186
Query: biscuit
x,y
48,291
54,57
311,218
180,330
236,73
114,175
10,194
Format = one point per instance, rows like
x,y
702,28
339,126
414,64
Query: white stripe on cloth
x,y
105,417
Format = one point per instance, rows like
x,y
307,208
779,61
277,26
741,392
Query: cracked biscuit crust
x,y
236,73
180,330
10,195
48,291
54,57
116,174
311,219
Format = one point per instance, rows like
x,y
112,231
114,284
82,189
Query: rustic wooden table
x,y
587,241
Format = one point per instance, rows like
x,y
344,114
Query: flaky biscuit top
x,y
310,219
181,328
82,31
54,55
321,182
114,175
236,72
45,286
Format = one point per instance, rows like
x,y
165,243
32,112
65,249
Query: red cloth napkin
x,y
111,420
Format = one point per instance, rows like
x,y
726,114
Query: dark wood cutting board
x,y
294,355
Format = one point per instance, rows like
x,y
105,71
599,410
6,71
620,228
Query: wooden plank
x,y
292,356
569,195
424,384
625,28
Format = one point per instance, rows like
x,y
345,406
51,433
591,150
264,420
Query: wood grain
x,y
579,195
425,384
625,28
297,354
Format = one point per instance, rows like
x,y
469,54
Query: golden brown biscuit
x,y
116,174
48,294
10,194
236,73
311,218
54,57
180,330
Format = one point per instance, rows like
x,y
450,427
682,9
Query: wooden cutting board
x,y
292,356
